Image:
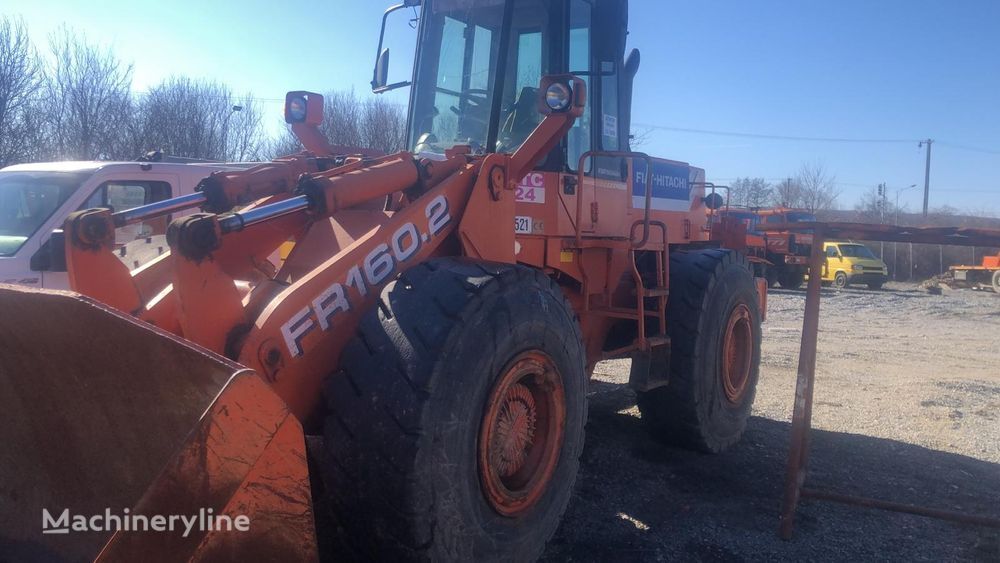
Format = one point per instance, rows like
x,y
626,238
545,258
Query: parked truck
x,y
779,256
985,275
36,198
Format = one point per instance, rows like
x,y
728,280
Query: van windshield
x,y
28,200
856,251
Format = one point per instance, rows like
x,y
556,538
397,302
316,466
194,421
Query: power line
x,y
810,139
774,137
975,190
967,148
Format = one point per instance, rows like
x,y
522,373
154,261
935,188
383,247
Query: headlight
x,y
558,97
858,268
297,109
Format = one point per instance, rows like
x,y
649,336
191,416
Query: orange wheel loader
x,y
430,335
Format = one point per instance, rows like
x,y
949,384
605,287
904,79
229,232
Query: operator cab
x,y
479,63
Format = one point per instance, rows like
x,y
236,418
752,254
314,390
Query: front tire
x,y
996,281
456,422
713,320
840,280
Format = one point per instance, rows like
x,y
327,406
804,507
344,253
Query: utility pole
x,y
882,204
927,174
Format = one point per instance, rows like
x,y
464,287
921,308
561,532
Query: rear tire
x,y
771,276
713,320
840,280
458,354
791,279
996,281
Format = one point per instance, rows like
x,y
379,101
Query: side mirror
x,y
610,24
51,256
381,79
380,76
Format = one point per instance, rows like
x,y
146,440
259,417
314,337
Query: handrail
x,y
581,175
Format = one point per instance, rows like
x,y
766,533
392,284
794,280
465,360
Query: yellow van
x,y
851,262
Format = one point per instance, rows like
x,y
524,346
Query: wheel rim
x,y
840,280
521,433
737,354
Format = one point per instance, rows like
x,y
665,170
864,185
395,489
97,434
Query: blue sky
x,y
887,69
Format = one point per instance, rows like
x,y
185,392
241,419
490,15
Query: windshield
x,y
27,200
856,251
461,41
801,218
460,52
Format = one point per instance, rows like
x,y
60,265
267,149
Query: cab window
x,y
581,20
122,195
831,252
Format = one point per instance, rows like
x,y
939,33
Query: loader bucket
x,y
105,417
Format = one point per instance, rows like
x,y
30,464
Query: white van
x,y
37,198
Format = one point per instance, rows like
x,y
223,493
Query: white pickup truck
x,y
36,198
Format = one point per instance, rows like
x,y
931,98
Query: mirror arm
x,y
381,40
384,89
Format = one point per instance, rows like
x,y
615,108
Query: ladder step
x,y
655,341
656,292
621,313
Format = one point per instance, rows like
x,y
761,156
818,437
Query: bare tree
x,y
818,188
787,193
640,136
873,208
342,115
199,119
383,126
20,79
183,117
88,100
245,133
750,192
282,145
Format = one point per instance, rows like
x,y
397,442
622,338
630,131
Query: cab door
x,y
831,263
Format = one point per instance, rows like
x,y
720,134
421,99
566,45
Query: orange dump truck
x,y
779,256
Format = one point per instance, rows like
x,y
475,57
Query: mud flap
x,y
106,416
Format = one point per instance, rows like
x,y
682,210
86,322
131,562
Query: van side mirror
x,y
51,256
381,79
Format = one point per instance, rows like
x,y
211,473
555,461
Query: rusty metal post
x,y
802,411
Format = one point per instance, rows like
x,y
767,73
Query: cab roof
x,y
94,165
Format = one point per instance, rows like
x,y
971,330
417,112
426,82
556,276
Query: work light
x,y
297,109
558,97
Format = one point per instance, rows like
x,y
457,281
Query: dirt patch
x,y
907,403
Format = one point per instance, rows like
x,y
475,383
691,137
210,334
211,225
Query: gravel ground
x,y
907,408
